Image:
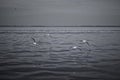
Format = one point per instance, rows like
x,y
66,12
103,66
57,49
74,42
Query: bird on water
x,y
85,41
34,41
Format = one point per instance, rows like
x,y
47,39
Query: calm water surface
x,y
54,55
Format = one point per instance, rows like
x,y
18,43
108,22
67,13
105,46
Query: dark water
x,y
54,56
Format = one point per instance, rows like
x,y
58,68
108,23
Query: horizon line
x,y
59,26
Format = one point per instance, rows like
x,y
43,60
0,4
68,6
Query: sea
x,y
59,53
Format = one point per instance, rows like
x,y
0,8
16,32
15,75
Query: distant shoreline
x,y
59,26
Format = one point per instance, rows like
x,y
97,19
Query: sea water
x,y
58,53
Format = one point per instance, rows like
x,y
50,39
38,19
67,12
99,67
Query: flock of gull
x,y
73,47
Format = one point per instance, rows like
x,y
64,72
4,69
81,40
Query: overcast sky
x,y
60,12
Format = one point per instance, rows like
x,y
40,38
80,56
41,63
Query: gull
x,y
74,47
34,41
48,34
85,41
88,42
38,42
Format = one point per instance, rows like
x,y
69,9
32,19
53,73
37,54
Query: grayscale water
x,y
54,56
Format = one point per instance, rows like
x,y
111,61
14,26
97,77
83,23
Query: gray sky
x,y
60,12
